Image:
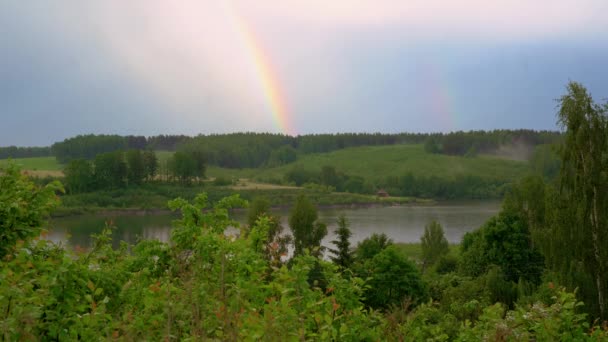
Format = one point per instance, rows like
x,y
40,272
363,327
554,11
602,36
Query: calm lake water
x,y
400,223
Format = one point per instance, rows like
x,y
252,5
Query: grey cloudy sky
x,y
189,67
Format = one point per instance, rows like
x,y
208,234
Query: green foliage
x,y
207,285
546,162
557,322
446,264
503,241
34,163
306,230
187,165
582,186
24,152
434,244
342,254
300,176
274,242
23,207
393,280
258,207
222,181
136,167
79,176
110,170
150,164
369,247
432,145
87,146
282,155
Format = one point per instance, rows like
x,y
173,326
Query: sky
x,y
148,67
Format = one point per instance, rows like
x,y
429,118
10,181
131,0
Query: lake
x,y
400,223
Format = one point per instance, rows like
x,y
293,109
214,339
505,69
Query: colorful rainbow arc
x,y
264,72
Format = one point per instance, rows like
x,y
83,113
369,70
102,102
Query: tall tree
x,y
434,244
343,256
150,164
78,176
110,170
136,168
276,242
371,246
306,230
583,187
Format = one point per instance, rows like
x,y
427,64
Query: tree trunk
x,y
596,251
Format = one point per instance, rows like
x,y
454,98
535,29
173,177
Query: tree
x,y
329,176
282,155
432,145
343,256
110,170
503,241
579,240
150,164
183,166
371,246
258,207
434,244
306,230
276,242
394,279
136,168
23,207
78,176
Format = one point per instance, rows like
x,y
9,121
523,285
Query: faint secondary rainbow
x,y
440,96
264,73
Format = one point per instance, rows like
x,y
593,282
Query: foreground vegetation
x,y
204,284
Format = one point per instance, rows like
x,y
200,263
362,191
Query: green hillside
x,y
378,162
370,162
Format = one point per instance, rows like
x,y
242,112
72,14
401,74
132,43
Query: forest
x,y
535,271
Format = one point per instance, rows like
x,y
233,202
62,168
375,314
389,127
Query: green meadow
x,y
378,162
35,164
369,162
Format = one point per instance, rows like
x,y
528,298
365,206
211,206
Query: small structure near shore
x,y
382,193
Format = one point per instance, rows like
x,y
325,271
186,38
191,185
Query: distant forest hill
x,y
252,150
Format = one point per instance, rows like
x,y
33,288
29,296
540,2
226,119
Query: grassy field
x,y
36,164
370,162
378,162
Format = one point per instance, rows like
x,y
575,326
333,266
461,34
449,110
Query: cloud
x,y
187,66
428,18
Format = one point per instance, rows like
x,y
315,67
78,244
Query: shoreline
x,y
73,212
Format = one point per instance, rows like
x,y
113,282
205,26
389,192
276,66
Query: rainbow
x,y
264,72
441,100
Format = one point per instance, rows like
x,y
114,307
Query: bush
x,y
394,279
222,181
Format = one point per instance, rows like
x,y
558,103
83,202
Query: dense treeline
x,y
252,150
514,143
121,169
24,152
109,170
460,187
89,146
244,150
408,185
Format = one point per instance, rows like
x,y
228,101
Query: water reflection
x,y
402,224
